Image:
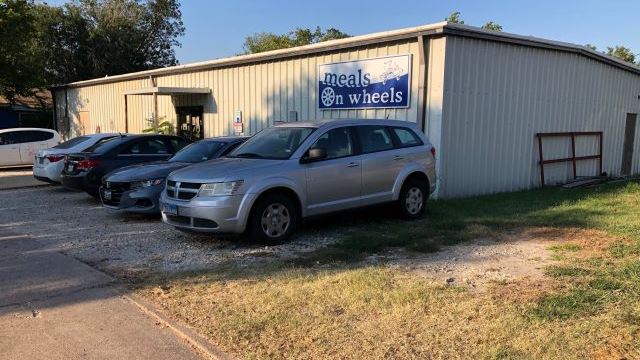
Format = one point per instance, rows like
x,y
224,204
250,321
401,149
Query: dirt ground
x,y
130,245
512,257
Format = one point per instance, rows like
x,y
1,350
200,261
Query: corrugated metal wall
x,y
105,105
485,100
498,95
264,92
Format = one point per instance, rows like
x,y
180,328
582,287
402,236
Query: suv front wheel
x,y
413,198
273,219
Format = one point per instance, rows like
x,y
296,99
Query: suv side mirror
x,y
315,154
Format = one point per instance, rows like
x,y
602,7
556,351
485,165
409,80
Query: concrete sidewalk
x,y
53,306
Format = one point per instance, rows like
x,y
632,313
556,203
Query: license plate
x,y
106,194
170,209
70,168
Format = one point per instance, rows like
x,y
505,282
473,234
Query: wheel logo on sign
x,y
328,96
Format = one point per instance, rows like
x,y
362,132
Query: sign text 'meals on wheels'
x,y
371,83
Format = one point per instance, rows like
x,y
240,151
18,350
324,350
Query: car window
x,y
374,138
336,142
178,144
273,143
100,144
72,142
407,137
42,135
230,148
28,136
8,138
198,151
147,147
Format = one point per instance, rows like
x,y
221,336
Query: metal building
x,y
482,97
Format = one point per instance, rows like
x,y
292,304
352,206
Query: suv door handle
x,y
398,157
353,164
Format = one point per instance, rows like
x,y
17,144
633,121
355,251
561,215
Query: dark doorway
x,y
190,122
629,139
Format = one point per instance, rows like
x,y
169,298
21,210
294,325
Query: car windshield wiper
x,y
248,155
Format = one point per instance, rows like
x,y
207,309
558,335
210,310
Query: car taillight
x,y
433,151
54,158
87,164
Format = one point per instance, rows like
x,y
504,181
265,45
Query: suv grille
x,y
182,190
117,188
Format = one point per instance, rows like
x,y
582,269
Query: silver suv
x,y
292,171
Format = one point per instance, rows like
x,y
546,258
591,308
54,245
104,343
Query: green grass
x,y
448,222
577,302
621,250
565,247
563,271
329,304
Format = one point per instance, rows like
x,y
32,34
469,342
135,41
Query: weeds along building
x,y
482,97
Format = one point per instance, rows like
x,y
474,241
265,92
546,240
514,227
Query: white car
x,y
49,163
19,146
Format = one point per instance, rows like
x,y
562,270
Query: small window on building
x,y
406,137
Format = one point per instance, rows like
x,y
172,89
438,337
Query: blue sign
x,y
371,83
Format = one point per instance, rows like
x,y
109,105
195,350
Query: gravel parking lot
x,y
136,246
13,178
130,245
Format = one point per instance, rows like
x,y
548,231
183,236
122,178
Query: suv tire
x,y
273,219
413,198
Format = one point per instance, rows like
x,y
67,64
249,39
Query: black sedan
x,y
137,188
84,170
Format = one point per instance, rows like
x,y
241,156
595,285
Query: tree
x,y
454,18
42,45
622,53
490,25
114,36
20,51
261,42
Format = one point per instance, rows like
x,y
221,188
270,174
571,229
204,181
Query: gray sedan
x,y
137,188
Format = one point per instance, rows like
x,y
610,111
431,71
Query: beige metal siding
x,y
498,95
105,104
265,92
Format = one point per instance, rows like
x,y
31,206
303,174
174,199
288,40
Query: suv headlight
x,y
220,188
143,184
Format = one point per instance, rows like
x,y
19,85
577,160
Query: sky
x,y
217,28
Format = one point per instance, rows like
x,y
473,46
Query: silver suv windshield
x,y
277,143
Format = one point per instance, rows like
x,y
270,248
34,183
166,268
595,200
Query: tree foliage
x,y
622,53
592,47
20,51
490,25
266,41
42,45
454,18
